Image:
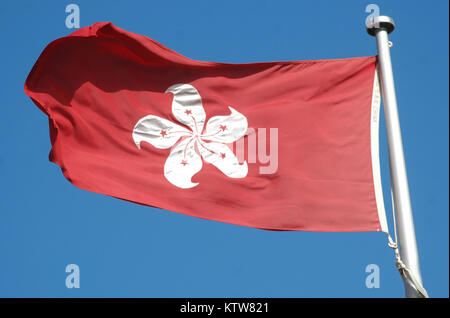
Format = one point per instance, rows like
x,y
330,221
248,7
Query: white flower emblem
x,y
209,143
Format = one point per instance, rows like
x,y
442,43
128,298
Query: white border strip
x,y
375,150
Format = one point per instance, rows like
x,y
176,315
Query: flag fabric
x,y
275,145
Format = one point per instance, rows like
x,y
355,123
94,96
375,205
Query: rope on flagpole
x,y
404,271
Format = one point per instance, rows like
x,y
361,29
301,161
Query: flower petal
x,y
182,164
187,106
223,158
158,131
226,129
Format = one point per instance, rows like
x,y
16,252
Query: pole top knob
x,y
381,22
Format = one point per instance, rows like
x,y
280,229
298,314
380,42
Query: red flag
x,y
282,145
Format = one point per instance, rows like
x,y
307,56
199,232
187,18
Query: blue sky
x,y
128,250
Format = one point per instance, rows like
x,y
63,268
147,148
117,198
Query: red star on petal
x,y
188,112
163,133
223,127
222,155
184,162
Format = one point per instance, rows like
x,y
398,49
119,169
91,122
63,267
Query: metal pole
x,y
380,27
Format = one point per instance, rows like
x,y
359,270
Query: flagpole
x,y
380,27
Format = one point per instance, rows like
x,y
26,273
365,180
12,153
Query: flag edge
x,y
375,152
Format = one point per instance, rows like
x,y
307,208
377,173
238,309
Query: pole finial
x,y
380,22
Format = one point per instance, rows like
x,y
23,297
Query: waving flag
x,y
280,145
